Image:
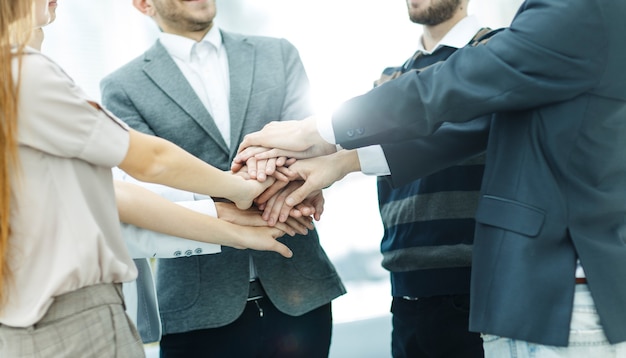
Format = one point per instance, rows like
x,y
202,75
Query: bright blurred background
x,y
344,45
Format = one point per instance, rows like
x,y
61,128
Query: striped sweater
x,y
429,223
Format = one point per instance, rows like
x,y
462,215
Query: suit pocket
x,y
309,259
510,215
178,283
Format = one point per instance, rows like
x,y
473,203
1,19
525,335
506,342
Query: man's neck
x,y
432,35
197,36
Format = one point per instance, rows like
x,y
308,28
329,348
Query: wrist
x,y
349,161
224,211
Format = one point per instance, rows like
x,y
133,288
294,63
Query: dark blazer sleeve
x,y
450,145
537,61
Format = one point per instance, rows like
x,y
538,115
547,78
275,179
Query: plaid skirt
x,y
89,322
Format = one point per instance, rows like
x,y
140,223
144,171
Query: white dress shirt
x,y
205,66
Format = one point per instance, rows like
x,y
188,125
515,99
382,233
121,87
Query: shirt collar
x,y
458,36
181,47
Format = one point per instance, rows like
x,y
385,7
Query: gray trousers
x,y
89,322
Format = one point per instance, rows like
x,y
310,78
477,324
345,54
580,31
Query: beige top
x,y
65,225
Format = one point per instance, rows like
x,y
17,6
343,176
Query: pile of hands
x,y
292,163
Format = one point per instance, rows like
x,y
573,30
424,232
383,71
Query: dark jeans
x,y
274,334
433,327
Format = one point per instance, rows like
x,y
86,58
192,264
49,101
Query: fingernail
x,y
290,201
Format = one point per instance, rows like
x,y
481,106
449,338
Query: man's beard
x,y
437,13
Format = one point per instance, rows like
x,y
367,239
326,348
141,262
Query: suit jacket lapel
x,y
241,66
162,69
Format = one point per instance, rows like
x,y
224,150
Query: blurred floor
x,y
368,338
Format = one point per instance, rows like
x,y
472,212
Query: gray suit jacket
x,y
554,188
268,82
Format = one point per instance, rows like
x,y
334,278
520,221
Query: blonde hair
x,y
16,24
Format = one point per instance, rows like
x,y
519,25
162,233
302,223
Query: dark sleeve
x,y
451,144
539,60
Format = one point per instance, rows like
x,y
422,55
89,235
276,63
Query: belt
x,y
255,291
581,280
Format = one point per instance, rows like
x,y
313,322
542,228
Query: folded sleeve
x,y
56,116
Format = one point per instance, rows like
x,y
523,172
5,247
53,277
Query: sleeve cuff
x,y
373,161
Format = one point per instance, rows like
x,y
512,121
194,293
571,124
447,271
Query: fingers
x,y
235,167
278,175
289,230
317,200
280,161
276,245
271,131
296,225
282,249
248,153
275,153
265,168
261,164
271,191
288,173
274,212
301,193
305,221
251,163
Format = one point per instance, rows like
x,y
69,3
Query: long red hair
x,y
15,29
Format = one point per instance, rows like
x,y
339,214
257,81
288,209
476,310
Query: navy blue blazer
x,y
554,188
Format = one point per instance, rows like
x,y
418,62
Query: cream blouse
x,y
65,225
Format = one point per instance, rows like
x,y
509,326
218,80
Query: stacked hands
x,y
293,163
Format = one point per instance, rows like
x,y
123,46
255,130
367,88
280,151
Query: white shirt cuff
x,y
373,160
143,243
325,128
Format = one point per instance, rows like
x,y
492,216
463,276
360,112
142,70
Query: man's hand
x,y
260,169
252,217
291,139
275,210
317,173
261,239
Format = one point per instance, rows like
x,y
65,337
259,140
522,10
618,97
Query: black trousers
x,y
272,334
433,327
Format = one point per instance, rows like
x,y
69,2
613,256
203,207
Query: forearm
x,y
155,160
140,207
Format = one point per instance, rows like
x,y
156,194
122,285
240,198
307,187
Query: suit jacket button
x,y
198,251
177,253
360,131
188,253
350,133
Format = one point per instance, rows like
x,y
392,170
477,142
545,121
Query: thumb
x,y
280,247
298,195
